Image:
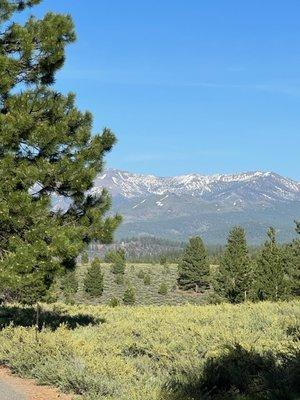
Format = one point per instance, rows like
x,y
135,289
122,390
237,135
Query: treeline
x,y
272,273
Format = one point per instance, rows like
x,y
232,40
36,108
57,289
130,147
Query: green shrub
x,y
141,274
163,260
217,352
166,269
84,258
163,289
119,279
147,280
129,296
114,302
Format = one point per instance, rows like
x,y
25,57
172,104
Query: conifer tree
x,y
233,280
292,263
129,296
271,279
93,281
46,148
114,256
119,262
194,267
69,285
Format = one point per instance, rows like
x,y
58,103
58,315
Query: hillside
x,y
182,206
146,294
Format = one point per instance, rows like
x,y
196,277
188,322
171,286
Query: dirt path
x,y
15,388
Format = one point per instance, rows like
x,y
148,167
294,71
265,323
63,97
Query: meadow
x,y
246,351
147,293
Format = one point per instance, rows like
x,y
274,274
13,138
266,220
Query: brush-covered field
x,y
146,280
249,351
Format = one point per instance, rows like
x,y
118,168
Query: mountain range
x,y
194,204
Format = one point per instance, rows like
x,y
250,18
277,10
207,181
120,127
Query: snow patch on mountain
x,y
262,186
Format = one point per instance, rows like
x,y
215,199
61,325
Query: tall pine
x,y
46,148
271,276
234,277
93,281
194,266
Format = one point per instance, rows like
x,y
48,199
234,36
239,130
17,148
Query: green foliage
x,y
146,292
46,147
141,274
233,280
93,282
242,352
193,267
271,278
129,296
166,269
114,256
147,280
118,268
85,258
119,279
163,289
119,262
114,302
163,260
69,284
292,261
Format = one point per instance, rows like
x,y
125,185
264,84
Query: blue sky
x,y
189,86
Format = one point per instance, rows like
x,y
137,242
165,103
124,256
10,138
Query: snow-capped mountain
x,y
249,186
181,206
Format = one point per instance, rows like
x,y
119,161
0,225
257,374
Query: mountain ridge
x,y
206,205
135,185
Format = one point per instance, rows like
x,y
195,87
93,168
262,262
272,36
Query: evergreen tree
x,y
119,262
194,267
233,279
292,263
114,256
46,148
93,281
129,296
69,285
271,279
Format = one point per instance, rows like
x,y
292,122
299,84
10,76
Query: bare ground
x,y
26,389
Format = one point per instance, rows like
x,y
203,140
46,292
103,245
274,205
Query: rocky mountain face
x,y
181,206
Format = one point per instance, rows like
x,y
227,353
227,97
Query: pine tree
x,y
46,148
271,280
233,279
194,267
129,296
292,263
119,262
69,285
93,281
114,256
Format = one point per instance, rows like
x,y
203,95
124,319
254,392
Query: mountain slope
x,y
194,204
